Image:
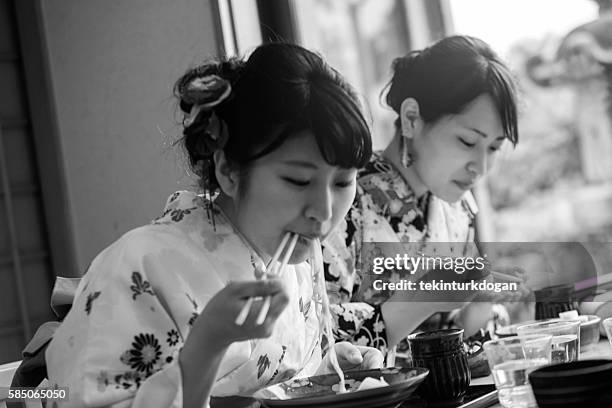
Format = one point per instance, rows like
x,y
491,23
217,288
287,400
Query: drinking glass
x,y
566,338
511,359
607,324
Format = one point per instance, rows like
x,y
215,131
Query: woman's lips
x,y
304,241
464,185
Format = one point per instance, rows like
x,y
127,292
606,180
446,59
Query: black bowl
x,y
319,391
573,384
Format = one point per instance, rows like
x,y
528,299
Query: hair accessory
x,y
204,93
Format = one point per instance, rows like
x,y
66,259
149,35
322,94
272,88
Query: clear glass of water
x,y
565,341
607,324
511,360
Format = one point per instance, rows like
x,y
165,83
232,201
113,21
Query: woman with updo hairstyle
x,y
456,104
161,318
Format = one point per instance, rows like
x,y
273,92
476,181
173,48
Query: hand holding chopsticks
x,y
273,269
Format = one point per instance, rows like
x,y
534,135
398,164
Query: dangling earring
x,y
406,157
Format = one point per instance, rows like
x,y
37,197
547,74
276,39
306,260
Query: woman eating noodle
x,y
179,311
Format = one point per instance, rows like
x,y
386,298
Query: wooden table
x,y
597,351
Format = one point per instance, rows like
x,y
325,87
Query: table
x,y
597,351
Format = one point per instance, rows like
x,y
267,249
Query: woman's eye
x,y
493,149
466,143
344,184
296,182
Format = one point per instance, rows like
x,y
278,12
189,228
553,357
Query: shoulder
x,y
131,250
183,218
147,238
382,186
181,205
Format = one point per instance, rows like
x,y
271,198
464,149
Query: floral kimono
x,y
385,210
136,305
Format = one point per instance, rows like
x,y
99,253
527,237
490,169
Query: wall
x,y
113,64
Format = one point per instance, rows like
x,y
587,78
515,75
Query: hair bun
x,y
206,91
403,65
208,84
202,94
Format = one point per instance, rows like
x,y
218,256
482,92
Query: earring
x,y
405,131
406,157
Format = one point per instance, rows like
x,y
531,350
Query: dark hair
x,y
281,89
450,74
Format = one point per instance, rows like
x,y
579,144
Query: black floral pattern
x,y
305,307
193,302
383,191
173,337
90,298
129,380
195,314
263,363
280,360
140,286
178,214
173,197
359,327
144,354
160,219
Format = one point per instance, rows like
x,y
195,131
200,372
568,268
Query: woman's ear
x,y
226,173
410,118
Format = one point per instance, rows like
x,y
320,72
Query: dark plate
x,y
320,391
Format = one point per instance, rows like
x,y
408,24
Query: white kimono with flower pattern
x,y
134,308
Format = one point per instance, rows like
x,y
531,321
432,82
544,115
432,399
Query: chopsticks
x,y
277,272
505,277
272,270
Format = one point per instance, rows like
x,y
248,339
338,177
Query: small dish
x,y
508,331
320,391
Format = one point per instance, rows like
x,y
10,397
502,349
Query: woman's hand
x,y
219,315
214,330
351,357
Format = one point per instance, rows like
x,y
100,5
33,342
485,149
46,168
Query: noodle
x,y
325,317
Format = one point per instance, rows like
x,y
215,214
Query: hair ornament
x,y
204,93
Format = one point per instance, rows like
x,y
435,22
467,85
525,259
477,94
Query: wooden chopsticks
x,y
273,269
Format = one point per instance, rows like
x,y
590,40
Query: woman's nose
x,y
478,166
319,205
